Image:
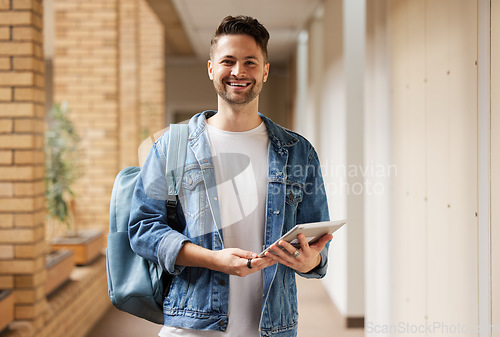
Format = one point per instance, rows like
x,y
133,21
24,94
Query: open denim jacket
x,y
199,297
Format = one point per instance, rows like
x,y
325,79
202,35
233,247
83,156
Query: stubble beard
x,y
220,88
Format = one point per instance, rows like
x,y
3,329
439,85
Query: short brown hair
x,y
234,25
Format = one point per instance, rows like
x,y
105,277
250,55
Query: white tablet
x,y
313,232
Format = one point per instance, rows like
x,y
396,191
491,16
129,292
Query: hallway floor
x,y
318,318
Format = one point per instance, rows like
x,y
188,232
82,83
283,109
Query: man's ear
x,y
266,71
210,70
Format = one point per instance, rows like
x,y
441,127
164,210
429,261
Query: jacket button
x,y
221,323
222,282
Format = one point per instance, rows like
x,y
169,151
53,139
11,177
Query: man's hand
x,y
308,257
234,261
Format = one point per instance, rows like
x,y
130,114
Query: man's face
x,y
238,69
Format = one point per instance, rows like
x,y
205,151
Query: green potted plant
x,y
62,169
61,166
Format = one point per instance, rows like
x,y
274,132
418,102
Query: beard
x,y
237,98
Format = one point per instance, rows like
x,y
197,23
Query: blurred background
x,y
401,99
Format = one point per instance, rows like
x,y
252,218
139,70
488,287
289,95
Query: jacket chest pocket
x,y
193,193
294,193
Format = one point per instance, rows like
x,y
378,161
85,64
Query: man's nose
x,y
238,70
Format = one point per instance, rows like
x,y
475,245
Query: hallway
x,y
398,97
318,317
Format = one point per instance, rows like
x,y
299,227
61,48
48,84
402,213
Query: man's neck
x,y
236,118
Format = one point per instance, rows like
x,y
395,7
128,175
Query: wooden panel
x,y
58,272
6,309
86,247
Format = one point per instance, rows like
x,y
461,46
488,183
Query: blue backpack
x,y
136,285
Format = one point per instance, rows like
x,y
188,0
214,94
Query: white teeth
x,y
238,84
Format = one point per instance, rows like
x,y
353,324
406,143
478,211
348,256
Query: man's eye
x,y
227,62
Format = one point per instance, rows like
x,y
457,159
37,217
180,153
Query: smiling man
x,y
246,182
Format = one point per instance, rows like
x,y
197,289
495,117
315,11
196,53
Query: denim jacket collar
x,y
278,136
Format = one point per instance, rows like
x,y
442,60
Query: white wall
x,y
419,126
434,128
378,142
188,87
495,165
330,89
333,147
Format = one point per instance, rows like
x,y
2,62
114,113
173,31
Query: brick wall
x,y
85,74
22,215
73,309
129,82
151,72
114,83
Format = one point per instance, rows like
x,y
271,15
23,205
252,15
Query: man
x,y
246,182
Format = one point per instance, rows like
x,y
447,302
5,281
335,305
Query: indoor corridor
x,y
318,318
399,98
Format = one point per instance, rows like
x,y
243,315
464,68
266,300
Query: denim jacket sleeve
x,y
314,208
150,236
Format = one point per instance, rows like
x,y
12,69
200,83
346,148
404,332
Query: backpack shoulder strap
x,y
176,157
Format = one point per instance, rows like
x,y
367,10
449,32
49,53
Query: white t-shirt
x,y
240,160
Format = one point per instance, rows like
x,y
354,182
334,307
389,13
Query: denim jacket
x,y
199,297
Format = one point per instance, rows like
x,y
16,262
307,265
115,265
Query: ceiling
x,y
191,23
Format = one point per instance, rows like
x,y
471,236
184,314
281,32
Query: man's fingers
x,y
288,247
261,262
304,244
244,254
321,243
